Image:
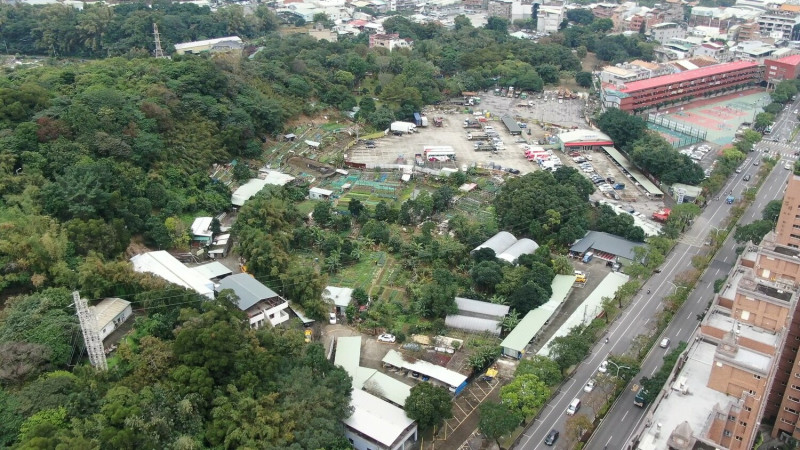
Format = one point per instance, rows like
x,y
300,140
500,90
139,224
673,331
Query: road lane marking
x,y
623,417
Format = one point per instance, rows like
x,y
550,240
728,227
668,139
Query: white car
x,y
386,337
333,318
603,367
664,343
589,386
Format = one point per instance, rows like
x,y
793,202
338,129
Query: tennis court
x,y
717,117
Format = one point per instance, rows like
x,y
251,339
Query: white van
x,y
574,406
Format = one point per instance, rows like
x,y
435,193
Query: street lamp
x,y
617,366
675,285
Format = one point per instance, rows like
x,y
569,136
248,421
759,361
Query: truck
x,y
418,159
588,256
404,127
484,147
420,120
472,124
438,122
477,137
641,397
439,153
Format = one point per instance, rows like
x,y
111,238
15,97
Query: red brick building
x,y
691,84
777,70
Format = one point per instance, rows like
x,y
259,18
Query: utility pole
x,y
91,335
158,53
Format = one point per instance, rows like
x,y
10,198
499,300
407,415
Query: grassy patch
x,y
360,274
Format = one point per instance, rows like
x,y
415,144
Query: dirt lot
x,y
390,149
547,109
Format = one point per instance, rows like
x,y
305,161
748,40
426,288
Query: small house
x,y
262,305
319,194
340,297
201,231
110,313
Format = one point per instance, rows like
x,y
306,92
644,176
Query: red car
x,y
574,154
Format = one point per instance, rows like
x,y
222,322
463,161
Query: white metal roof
x,y
348,353
340,296
470,323
376,418
582,136
499,242
252,187
466,305
201,226
246,191
320,191
440,373
107,310
385,387
212,270
166,266
523,246
184,45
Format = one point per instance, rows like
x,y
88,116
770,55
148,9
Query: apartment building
x,y
664,32
500,9
742,367
788,228
779,25
777,70
645,94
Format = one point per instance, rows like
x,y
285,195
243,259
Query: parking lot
x,y
543,108
392,149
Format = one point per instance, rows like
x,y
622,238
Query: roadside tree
x,y
429,405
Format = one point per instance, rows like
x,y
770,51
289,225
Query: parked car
x,y
386,337
333,318
603,367
307,334
746,177
589,386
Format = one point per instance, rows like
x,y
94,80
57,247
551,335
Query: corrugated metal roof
x,y
107,310
166,266
475,324
339,296
348,354
606,242
212,270
466,305
499,242
377,419
593,304
440,373
688,75
530,325
249,290
523,246
640,178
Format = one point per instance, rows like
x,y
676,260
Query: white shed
x,y
110,313
319,194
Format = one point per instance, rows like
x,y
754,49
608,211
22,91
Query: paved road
x,y
622,419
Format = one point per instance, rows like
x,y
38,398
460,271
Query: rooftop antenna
x,y
158,53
